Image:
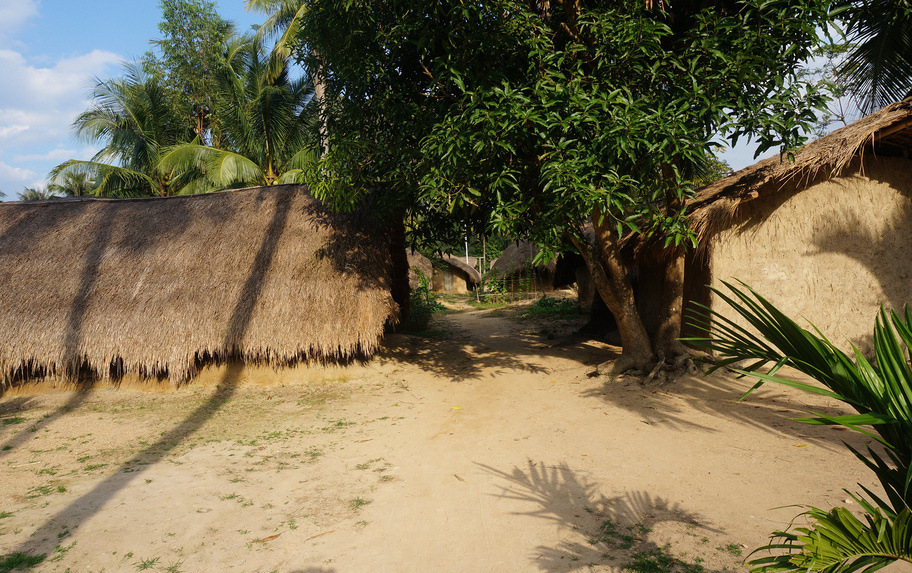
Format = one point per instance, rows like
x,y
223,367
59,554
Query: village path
x,y
487,448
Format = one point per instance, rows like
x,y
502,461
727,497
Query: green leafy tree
x,y
267,123
194,37
880,392
568,121
133,118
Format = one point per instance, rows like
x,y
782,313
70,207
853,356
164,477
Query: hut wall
x,y
450,280
831,254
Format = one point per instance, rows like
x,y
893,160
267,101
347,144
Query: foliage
x,y
881,393
133,118
267,127
550,306
611,106
423,304
192,47
530,118
879,66
37,194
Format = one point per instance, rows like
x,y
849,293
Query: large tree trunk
x,y
667,344
610,277
399,283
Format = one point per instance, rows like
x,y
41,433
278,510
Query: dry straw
x,y
887,130
158,287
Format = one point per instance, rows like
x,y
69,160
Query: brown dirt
x,y
487,448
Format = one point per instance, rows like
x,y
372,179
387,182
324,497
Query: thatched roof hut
x,y
157,287
825,237
454,275
514,266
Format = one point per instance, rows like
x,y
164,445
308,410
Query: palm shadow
x,y
615,529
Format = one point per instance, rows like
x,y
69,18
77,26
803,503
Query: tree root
x,y
675,368
614,368
664,370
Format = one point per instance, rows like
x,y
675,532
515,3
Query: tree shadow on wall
x,y
885,255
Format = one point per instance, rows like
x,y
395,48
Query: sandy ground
x,y
488,448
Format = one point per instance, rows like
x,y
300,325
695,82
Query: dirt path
x,y
487,449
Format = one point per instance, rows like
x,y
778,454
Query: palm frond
x,y
222,169
839,542
881,393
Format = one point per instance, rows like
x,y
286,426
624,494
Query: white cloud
x,y
38,104
14,13
12,130
58,155
16,173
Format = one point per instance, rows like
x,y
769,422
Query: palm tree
x,y
37,194
880,392
134,118
73,184
283,24
267,126
879,67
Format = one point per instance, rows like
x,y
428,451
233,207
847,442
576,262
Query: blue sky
x,y
50,51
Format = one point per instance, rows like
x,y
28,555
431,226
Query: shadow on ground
x,y
771,408
470,342
612,531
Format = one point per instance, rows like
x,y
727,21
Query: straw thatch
x,y
826,238
418,263
473,277
515,265
887,132
157,287
453,275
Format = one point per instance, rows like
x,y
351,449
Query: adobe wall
x,y
832,253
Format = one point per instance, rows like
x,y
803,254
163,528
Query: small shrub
x,y
422,306
550,306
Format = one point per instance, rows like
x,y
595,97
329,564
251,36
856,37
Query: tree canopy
x,y
572,122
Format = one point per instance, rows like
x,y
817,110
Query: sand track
x,y
487,449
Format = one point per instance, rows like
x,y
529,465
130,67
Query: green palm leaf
x,y
881,393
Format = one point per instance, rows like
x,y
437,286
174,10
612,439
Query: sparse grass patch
x,y
732,549
60,551
41,490
19,560
358,503
144,564
549,306
13,420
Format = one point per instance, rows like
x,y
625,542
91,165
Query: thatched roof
x,y
460,264
418,262
157,286
884,133
517,258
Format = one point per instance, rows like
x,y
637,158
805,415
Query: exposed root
x,y
666,371
625,362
